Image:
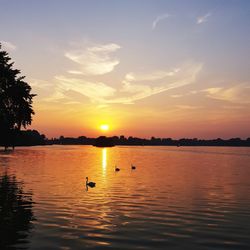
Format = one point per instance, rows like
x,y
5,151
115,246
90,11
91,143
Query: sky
x,y
146,68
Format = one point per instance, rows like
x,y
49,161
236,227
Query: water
x,y
177,198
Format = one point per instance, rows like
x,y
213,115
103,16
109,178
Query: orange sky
x,y
169,70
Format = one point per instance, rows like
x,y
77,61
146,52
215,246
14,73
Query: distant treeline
x,y
33,137
122,140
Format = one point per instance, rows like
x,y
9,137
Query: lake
x,y
177,198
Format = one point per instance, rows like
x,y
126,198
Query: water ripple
x,y
172,200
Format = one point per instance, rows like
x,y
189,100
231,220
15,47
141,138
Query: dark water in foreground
x,y
177,198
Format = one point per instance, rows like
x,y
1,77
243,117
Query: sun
x,y
104,127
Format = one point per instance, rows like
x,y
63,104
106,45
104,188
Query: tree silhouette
x,y
15,101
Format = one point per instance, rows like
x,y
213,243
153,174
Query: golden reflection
x,y
104,160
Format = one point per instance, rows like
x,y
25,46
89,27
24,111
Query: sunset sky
x,y
146,68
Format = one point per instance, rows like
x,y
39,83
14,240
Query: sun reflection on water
x,y
104,161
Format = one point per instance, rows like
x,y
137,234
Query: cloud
x,y
177,96
8,45
135,91
139,87
94,60
156,75
188,107
159,19
203,19
95,91
239,93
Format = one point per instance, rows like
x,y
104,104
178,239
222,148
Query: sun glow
x,y
104,127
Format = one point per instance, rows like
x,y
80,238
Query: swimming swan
x,y
90,184
117,169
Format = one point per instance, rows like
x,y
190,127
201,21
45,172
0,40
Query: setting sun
x,y
104,127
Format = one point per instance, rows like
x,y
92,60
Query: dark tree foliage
x,y
30,138
15,101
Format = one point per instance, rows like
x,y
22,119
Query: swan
x,y
117,169
133,167
90,184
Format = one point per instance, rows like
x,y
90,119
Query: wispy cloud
x,y
159,19
94,60
203,19
239,93
188,107
156,75
95,91
130,90
180,77
177,95
8,45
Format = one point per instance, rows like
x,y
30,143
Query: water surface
x,y
177,198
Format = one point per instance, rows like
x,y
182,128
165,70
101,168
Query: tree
x,y
15,101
